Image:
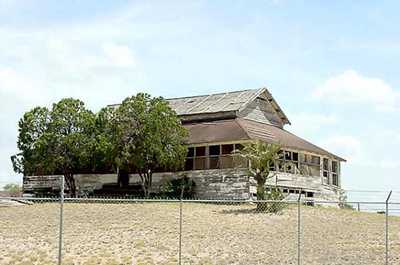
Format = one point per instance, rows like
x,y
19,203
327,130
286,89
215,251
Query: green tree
x,y
149,137
56,141
261,157
32,126
105,147
69,139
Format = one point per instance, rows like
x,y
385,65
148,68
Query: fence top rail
x,y
110,199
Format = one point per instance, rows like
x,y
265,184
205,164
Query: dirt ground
x,y
147,233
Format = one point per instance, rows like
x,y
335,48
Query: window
x,y
213,157
288,155
227,149
190,152
214,152
335,173
189,159
200,151
295,156
289,162
272,167
325,171
239,147
189,164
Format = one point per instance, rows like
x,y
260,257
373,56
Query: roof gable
x,y
206,106
221,105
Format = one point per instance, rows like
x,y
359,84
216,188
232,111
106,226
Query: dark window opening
x,y
295,156
189,164
227,149
239,147
325,164
335,179
190,152
201,151
214,150
272,167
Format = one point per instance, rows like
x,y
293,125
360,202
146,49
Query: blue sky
x,y
332,66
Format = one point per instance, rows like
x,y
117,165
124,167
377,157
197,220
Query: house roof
x,y
219,105
229,102
243,129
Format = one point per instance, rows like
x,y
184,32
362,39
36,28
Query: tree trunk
x,y
261,206
146,183
70,181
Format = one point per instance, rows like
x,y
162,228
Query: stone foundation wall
x,y
210,184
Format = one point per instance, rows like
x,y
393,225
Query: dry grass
x,y
147,233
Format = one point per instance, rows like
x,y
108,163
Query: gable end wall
x,y
261,110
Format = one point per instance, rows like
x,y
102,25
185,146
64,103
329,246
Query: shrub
x,y
174,188
13,189
274,201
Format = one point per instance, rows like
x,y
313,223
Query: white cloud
x,y
347,146
307,123
390,163
119,55
40,66
350,87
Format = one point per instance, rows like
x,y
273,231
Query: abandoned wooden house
x,y
219,124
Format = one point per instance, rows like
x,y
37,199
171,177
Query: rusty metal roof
x,y
242,129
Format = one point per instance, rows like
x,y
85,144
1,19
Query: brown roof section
x,y
242,129
216,131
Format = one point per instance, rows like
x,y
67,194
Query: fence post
x,y
60,235
387,228
298,228
180,225
358,206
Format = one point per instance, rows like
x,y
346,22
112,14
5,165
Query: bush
x,y
276,205
173,188
13,189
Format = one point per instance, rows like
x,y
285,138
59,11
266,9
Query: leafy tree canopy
x,y
149,136
56,141
261,157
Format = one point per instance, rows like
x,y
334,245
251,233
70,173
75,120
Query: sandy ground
x,y
147,233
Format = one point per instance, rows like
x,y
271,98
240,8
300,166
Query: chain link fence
x,y
152,231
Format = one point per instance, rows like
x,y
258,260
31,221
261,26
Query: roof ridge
x,y
213,94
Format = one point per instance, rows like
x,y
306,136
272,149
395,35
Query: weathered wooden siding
x,y
261,110
213,183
